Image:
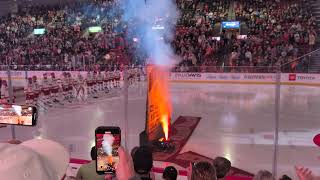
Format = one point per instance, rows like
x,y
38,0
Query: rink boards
x,y
19,77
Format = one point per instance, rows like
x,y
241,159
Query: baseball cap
x,y
37,159
143,160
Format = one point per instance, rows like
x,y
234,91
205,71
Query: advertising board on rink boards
x,y
222,77
248,78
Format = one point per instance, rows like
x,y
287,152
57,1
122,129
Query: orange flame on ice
x,y
165,126
159,110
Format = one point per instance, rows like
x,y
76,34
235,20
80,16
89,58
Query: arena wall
x,y
19,78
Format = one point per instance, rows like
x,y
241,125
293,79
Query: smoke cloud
x,y
17,109
153,23
108,140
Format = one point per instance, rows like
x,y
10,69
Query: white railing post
x,y
277,120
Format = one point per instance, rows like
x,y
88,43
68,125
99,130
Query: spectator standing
x,y
88,171
312,40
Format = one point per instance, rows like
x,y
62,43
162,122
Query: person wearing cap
x,y
37,159
88,171
170,173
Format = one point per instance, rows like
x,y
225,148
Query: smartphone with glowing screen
x,y
18,115
108,140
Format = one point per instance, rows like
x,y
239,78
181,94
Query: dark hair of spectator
x,y
93,153
143,160
222,166
170,173
203,171
133,151
285,177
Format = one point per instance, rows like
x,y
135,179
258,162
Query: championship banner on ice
x,y
158,104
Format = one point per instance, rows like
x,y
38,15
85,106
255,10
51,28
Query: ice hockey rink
x,y
237,122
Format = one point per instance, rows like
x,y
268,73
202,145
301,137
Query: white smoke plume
x,y
107,142
153,23
17,109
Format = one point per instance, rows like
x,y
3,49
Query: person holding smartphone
x,y
108,140
88,171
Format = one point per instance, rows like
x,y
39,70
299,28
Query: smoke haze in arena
x,y
152,22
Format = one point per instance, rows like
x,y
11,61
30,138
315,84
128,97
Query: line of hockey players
x,y
68,89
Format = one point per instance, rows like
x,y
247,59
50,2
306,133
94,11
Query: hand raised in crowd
x,y
304,173
125,167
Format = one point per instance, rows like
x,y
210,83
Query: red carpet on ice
x,y
180,132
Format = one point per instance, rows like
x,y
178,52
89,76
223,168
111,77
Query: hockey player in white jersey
x,y
4,92
117,78
95,82
111,79
54,88
89,83
81,89
65,87
100,81
130,76
70,82
30,95
105,81
36,88
45,89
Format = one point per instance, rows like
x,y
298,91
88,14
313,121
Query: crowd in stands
x,y
66,43
40,159
278,33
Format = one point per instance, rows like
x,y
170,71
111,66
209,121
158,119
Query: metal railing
x,y
307,63
199,69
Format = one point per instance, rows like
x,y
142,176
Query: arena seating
x,y
276,35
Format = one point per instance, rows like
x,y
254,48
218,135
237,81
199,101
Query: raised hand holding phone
x,y
108,140
18,115
125,167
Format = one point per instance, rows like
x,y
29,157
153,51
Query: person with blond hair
x,y
263,175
